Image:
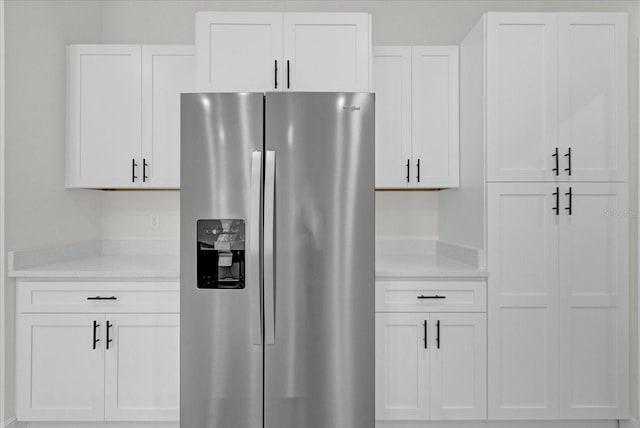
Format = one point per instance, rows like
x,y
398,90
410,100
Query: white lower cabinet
x,y
558,335
104,365
430,366
142,367
60,376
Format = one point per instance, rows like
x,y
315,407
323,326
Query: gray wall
x,y
40,212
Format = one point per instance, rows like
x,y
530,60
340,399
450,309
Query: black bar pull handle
x,y
555,155
109,340
570,206
425,334
95,333
438,334
145,165
275,75
418,166
134,165
557,195
102,298
288,78
408,170
568,155
436,296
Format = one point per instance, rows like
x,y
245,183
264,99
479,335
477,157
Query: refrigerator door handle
x,y
269,266
253,265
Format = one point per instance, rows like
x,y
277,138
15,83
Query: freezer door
x,y
319,260
221,350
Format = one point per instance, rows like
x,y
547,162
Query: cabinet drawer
x,y
99,297
431,296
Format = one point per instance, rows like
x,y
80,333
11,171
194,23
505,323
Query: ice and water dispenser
x,y
220,256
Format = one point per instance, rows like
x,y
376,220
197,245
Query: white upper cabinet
x,y
392,85
557,97
435,121
167,71
104,115
593,96
326,51
238,51
123,114
522,96
417,119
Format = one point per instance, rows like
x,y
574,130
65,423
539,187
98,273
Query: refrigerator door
x,y
221,351
319,266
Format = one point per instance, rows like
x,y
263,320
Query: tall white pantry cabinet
x,y
544,101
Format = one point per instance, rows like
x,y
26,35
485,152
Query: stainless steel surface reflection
x,y
221,367
319,372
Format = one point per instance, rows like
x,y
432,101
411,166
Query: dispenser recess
x,y
220,253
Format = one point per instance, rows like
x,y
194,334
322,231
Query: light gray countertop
x,y
160,260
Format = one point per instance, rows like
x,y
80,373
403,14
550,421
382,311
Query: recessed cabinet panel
x,y
525,251
327,50
60,372
522,372
167,71
593,271
237,52
143,367
593,333
458,367
523,300
392,85
104,118
417,117
402,367
435,116
123,115
522,88
593,96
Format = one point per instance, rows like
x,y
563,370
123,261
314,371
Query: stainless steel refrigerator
x,y
277,260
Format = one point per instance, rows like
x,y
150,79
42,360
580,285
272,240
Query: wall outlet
x,y
155,221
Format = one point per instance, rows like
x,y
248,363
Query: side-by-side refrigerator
x,y
277,260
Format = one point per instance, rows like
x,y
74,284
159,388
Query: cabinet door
x,y
594,302
59,374
523,301
104,115
458,366
326,51
238,51
435,121
402,366
166,72
392,85
593,95
142,373
522,96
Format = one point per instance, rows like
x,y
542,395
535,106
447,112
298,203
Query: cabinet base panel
x,y
95,425
506,424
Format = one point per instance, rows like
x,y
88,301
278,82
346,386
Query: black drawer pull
x,y
102,298
437,296
95,333
109,340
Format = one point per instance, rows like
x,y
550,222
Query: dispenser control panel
x,y
220,258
